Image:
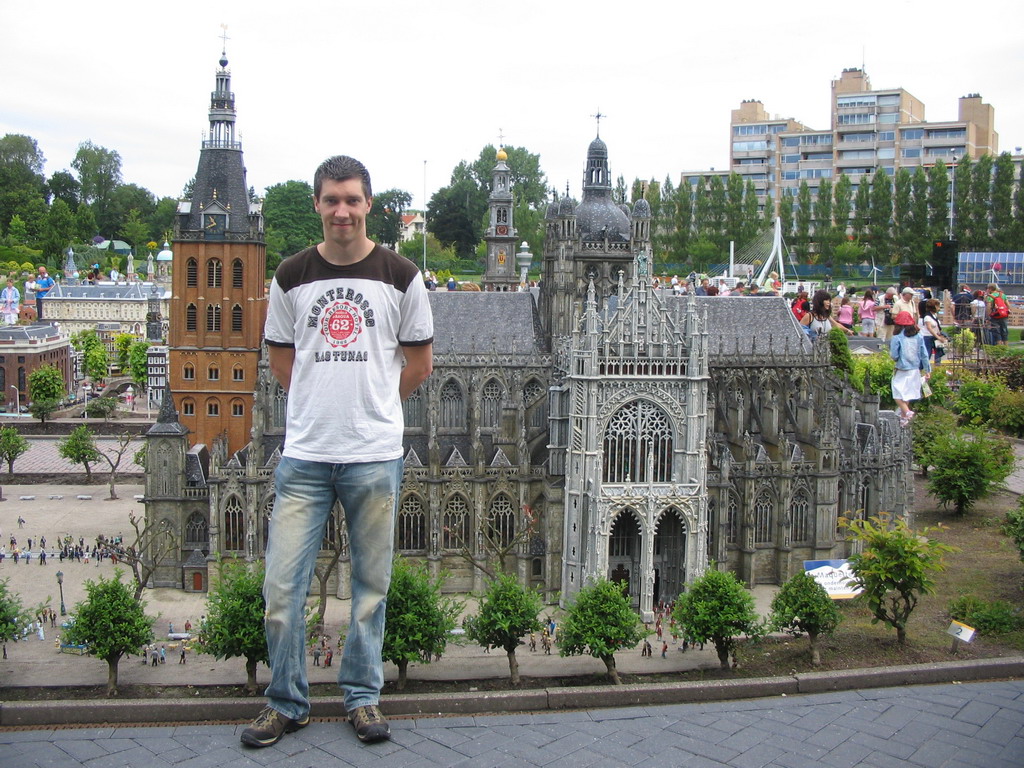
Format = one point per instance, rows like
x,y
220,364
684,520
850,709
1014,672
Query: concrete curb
x,y
183,710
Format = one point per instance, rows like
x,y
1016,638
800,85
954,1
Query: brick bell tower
x,y
218,302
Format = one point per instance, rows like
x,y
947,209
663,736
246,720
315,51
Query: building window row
x,y
214,273
188,407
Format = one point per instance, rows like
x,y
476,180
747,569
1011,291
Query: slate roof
x,y
134,291
468,322
760,325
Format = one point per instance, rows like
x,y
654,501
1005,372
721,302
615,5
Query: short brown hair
x,y
341,168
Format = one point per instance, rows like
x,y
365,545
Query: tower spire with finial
x,y
598,117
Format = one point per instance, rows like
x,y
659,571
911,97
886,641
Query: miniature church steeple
x,y
500,272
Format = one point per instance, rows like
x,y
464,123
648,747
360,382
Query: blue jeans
x,y
306,494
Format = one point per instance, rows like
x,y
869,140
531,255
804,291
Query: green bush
x,y
1007,412
968,465
927,430
878,368
842,360
974,399
1014,527
988,617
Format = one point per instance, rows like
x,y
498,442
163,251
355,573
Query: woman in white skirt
x,y
908,350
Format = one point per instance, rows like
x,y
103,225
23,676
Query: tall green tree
x,y
235,610
786,216
46,388
918,242
599,622
138,364
841,211
902,200
384,224
938,200
682,223
85,223
823,206
507,612
663,225
134,231
734,208
980,204
803,607
1002,204
12,445
99,173
123,200
161,221
880,227
803,215
862,209
1018,219
752,219
14,617
112,623
290,220
717,213
79,447
893,569
619,192
21,175
455,216
717,609
963,228
419,618
62,185
60,229
95,361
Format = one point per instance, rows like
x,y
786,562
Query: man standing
x,y
344,316
43,285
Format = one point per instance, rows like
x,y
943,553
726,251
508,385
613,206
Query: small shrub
x,y
968,466
878,368
928,429
974,399
842,360
962,344
1014,527
1007,412
988,617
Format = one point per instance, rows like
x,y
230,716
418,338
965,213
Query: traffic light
x,y
945,255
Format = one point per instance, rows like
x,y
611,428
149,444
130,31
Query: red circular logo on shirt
x,y
342,323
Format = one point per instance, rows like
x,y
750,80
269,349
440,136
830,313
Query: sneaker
x,y
269,726
370,724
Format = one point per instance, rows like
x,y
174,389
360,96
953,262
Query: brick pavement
x,y
42,458
939,726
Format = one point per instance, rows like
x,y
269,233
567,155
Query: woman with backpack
x,y
998,312
907,348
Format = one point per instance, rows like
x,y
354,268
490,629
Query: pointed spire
x,y
168,413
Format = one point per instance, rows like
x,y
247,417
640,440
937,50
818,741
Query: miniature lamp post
x,y
60,583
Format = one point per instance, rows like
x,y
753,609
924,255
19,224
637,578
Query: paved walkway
x,y
977,724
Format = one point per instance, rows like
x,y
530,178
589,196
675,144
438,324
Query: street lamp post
x,y
952,194
17,400
60,583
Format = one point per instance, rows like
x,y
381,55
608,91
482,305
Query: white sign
x,y
835,576
961,631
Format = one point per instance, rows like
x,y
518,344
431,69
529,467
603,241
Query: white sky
x,y
396,83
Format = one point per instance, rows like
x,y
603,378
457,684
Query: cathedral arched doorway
x,y
669,556
624,553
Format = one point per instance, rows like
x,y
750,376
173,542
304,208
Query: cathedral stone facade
x,y
594,428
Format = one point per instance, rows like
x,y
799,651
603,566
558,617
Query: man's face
x,y
343,208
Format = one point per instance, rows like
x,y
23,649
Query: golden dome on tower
x,y
501,156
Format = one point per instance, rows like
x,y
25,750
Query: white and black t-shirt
x,y
347,324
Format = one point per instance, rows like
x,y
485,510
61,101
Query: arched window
x,y
801,527
237,408
213,273
625,535
238,373
234,525
213,373
501,520
453,406
763,514
188,372
536,404
865,498
236,273
197,532
490,403
213,317
411,525
191,273
413,410
455,524
190,317
188,408
213,408
236,318
638,445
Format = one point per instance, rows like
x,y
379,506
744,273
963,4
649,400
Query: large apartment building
x,y
884,128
